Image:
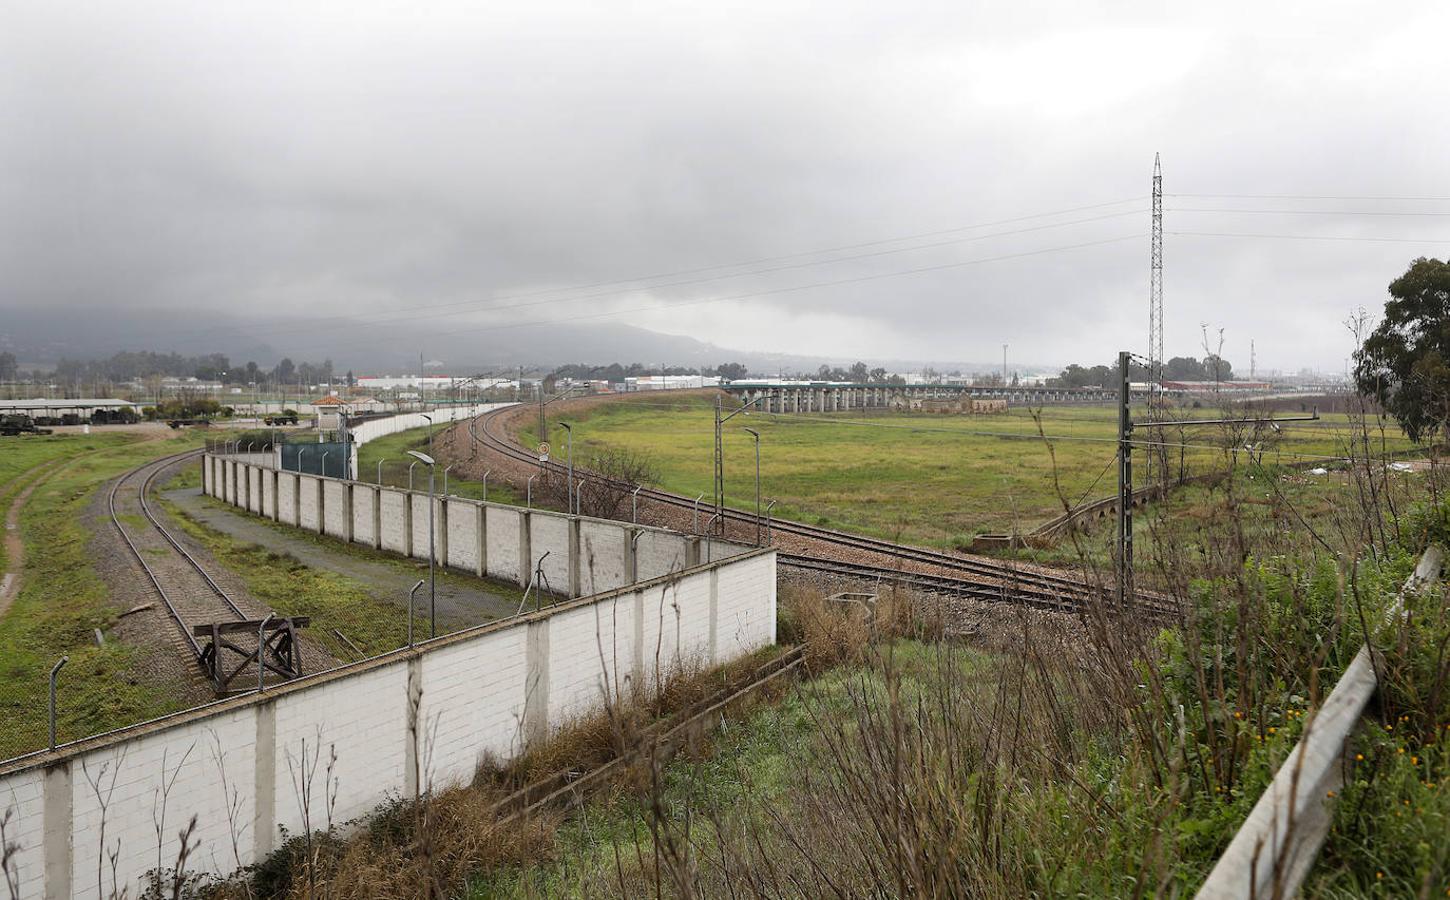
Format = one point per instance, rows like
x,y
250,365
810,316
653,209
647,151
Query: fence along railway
x,y
199,607
874,558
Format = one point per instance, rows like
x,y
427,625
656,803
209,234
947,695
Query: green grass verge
x,y
60,604
25,459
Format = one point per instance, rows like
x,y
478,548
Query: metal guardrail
x,y
1275,847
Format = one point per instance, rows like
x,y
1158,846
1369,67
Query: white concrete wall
x,y
287,497
23,796
585,555
502,527
364,510
395,520
361,735
463,535
373,429
336,516
658,553
549,533
309,512
603,556
420,524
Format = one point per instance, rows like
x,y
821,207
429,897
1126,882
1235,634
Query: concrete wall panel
x,y
335,518
602,548
660,553
591,655
549,533
462,534
309,515
23,797
420,525
473,704
364,502
502,527
365,720
127,777
287,497
395,521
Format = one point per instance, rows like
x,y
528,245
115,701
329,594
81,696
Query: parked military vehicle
x,y
13,425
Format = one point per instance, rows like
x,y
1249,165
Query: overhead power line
x,y
1310,212
1310,237
1312,197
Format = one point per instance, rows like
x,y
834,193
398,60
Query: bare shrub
x,y
604,481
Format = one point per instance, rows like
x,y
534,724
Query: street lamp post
x,y
720,455
569,451
755,434
432,561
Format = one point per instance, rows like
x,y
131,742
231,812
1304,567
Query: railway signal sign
x,y
543,451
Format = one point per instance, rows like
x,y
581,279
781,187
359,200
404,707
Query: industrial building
x,y
51,411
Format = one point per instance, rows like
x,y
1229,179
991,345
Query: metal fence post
x,y
485,483
54,671
768,508
261,669
411,594
634,506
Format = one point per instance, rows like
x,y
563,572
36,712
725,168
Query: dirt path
x,y
14,546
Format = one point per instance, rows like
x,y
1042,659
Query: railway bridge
x,y
829,396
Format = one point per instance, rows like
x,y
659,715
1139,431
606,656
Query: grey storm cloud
x,y
484,167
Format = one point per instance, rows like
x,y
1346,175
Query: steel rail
x,y
186,554
156,466
1002,573
943,584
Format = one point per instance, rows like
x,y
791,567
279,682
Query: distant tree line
x,y
145,364
1179,368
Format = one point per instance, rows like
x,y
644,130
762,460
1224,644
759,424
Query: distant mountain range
x,y
42,337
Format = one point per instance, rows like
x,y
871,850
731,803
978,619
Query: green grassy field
x,y
24,459
928,479
63,600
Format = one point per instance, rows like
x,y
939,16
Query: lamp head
x,y
421,457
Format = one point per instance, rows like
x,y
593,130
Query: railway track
x,y
954,574
189,593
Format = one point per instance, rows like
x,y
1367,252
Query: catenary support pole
x,y
1125,483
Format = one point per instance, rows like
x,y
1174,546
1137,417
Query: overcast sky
x,y
446,159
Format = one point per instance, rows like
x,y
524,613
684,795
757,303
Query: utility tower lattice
x,y
1155,294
